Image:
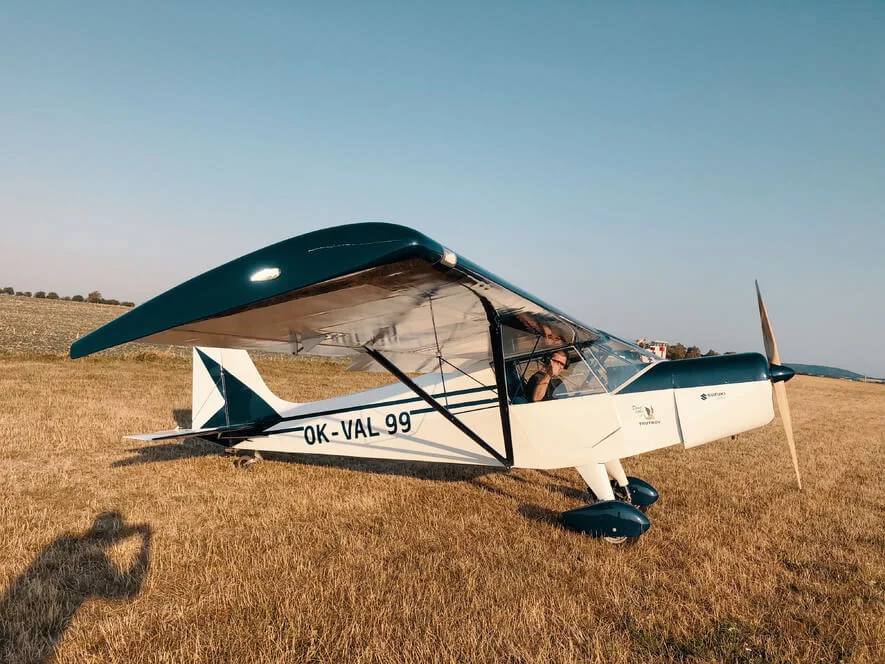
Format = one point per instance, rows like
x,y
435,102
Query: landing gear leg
x,y
596,477
616,470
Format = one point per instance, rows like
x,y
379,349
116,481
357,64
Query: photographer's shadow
x,y
38,606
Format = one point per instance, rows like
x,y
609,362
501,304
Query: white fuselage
x,y
392,422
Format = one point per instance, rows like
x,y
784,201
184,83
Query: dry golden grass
x,y
302,559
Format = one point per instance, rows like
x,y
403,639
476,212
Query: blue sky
x,y
635,164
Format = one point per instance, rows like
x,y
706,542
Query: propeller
x,y
779,375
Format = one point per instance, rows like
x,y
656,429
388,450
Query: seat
x,y
515,384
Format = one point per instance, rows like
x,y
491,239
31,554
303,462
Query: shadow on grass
x,y
530,511
174,451
183,417
574,493
445,472
541,515
38,606
440,472
197,447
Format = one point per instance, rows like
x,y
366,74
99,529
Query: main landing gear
x,y
618,515
240,462
637,492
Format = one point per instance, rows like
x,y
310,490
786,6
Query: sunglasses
x,y
557,361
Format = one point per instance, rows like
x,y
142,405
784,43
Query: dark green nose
x,y
779,373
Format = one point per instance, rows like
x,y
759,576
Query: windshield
x,y
615,361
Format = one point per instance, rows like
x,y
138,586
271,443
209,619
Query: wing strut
x,y
442,410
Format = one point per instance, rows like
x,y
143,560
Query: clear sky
x,y
637,164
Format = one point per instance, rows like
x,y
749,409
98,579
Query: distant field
x,y
303,559
33,325
832,372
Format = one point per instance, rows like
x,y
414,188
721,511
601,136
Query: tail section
x,y
227,390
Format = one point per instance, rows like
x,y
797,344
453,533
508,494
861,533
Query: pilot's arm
x,y
538,385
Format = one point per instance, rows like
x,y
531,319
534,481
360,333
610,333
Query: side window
x,y
578,379
575,379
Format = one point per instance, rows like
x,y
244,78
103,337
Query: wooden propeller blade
x,y
780,388
780,395
767,333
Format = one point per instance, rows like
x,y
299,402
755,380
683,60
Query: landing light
x,y
266,274
449,259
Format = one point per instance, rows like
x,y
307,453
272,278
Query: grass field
x,y
115,551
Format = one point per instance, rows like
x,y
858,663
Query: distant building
x,y
659,348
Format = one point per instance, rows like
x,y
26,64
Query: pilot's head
x,y
557,362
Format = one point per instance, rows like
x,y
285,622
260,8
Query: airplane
x,y
468,350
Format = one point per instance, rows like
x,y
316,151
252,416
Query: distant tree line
x,y
678,351
94,297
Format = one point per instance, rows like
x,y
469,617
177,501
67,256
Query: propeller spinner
x,y
779,375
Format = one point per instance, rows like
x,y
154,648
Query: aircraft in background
x,y
390,298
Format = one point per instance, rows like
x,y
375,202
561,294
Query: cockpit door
x,y
561,432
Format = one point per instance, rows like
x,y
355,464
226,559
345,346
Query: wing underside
x,y
343,290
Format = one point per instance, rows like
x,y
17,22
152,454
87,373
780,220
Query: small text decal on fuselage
x,y
645,415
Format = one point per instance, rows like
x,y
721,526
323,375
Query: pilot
x,y
541,386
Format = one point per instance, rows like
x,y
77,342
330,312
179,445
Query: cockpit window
x,y
558,374
596,361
